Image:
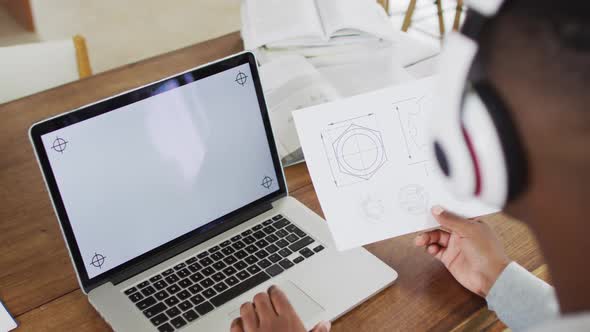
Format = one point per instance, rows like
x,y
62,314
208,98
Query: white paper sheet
x,y
369,160
292,83
7,323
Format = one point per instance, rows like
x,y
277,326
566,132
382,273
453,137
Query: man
x,y
537,55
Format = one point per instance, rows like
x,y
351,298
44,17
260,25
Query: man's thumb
x,y
449,220
322,327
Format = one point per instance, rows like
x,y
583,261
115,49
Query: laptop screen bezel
x,y
195,236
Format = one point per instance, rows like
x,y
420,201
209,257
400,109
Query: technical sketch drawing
x,y
358,151
373,208
411,114
413,199
354,149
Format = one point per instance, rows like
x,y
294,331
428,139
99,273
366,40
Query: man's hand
x,y
271,312
468,248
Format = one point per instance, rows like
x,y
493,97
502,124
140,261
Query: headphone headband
x,y
474,139
446,127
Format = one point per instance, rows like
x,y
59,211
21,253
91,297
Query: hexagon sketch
x,y
354,149
359,151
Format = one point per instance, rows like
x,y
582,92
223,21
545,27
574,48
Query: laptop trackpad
x,y
304,305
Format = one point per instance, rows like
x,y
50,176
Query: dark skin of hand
x,y
271,311
469,249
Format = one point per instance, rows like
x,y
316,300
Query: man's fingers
x,y
450,220
322,327
236,325
436,251
263,307
249,317
279,301
433,249
421,239
437,236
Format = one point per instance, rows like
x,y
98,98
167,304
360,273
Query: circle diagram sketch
x,y
359,151
413,199
354,149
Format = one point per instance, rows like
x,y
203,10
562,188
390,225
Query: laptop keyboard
x,y
193,288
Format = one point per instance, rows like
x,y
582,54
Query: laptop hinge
x,y
191,242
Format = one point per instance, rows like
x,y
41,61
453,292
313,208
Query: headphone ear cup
x,y
487,155
496,145
447,139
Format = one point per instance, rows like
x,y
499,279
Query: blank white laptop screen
x,y
142,175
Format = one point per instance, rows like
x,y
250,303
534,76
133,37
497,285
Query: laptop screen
x,y
141,175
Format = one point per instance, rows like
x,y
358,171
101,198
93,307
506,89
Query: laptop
x,y
174,207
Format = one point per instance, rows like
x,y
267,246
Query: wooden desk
x,y
37,281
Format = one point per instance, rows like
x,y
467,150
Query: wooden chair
x,y
385,4
21,11
30,68
441,22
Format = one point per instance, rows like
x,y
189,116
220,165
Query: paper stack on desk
x,y
291,83
313,27
326,32
369,160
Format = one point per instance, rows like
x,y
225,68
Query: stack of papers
x,y
316,29
370,162
291,83
313,26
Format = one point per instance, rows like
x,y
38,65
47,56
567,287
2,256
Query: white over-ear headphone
x,y
473,137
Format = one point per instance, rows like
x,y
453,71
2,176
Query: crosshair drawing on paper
x,y
411,114
59,145
413,199
97,260
241,78
266,182
359,151
354,149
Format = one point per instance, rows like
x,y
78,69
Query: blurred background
x,y
119,32
122,32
